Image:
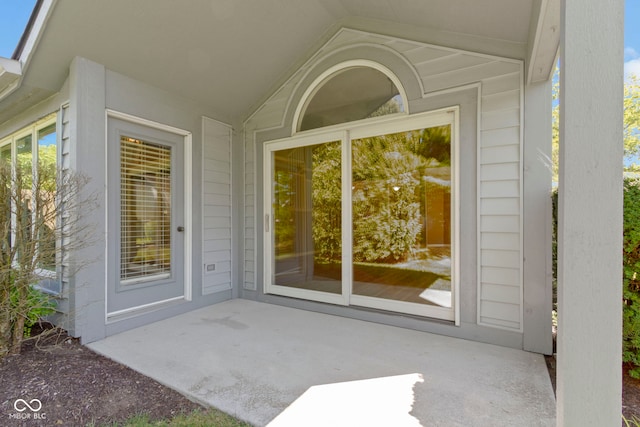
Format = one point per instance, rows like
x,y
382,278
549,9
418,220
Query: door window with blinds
x,y
145,204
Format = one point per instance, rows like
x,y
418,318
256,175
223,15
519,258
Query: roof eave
x,y
12,70
10,75
544,40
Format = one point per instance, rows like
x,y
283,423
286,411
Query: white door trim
x,y
188,213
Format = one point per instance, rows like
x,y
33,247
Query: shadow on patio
x,y
273,365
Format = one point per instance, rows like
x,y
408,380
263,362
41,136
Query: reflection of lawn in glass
x,y
400,282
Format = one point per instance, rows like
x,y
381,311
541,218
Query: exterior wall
x,y
492,269
216,207
93,90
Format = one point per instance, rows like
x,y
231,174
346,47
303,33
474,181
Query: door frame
x,y
187,291
269,260
346,132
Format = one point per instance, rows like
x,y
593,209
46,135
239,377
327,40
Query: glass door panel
x,y
307,216
401,203
145,203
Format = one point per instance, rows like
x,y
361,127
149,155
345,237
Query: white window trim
x,y
322,78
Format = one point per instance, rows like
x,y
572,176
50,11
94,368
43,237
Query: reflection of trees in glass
x,y
386,204
392,106
283,211
327,202
395,178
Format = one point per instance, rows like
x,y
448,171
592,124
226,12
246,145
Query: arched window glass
x,y
351,94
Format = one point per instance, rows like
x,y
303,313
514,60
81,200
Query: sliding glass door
x,y
304,199
365,217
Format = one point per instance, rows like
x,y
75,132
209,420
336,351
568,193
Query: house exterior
x,y
387,161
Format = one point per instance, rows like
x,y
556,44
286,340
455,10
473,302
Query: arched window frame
x,y
326,76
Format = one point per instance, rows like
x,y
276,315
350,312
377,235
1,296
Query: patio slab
x,y
277,366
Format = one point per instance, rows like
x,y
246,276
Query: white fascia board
x,y
543,41
12,70
10,74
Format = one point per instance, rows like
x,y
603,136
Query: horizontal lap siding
x,y
500,187
216,205
498,161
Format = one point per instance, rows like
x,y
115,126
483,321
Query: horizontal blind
x,y
145,211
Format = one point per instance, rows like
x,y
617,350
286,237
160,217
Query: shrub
x,y
32,308
631,276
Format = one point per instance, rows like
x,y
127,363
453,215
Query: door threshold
x,y
129,313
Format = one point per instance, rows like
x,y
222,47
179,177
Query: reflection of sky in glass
x,y
399,101
46,140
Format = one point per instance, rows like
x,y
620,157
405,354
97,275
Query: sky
x,y
632,37
14,15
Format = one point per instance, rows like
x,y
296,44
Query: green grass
x,y
633,422
208,418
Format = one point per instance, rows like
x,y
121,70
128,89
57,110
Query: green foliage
x,y
388,194
631,276
33,307
327,201
386,197
632,116
631,122
555,124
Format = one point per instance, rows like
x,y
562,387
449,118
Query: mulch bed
x,y
76,387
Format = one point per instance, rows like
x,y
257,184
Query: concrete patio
x,y
277,366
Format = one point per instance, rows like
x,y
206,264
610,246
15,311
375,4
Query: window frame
x,y
319,82
11,140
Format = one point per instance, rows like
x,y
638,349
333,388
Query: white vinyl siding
x,y
500,293
216,206
499,159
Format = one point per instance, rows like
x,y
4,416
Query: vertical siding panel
x,y
216,206
249,208
64,152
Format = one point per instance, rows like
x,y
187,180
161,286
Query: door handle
x,y
180,228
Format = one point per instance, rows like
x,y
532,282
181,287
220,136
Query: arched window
x,y
351,93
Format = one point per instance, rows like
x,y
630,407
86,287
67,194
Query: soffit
x,y
228,54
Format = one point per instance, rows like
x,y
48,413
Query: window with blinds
x,y
145,211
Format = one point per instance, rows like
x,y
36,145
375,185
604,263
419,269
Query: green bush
x,y
631,276
33,308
